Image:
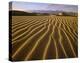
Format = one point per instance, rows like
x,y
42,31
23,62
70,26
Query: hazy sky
x,y
29,6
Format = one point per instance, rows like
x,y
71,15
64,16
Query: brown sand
x,y
44,37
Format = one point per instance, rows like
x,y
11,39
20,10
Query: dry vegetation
x,y
44,37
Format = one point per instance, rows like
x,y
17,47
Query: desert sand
x,y
44,37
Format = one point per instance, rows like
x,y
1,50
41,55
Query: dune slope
x,y
44,37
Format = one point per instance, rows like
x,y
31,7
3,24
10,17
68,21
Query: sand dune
x,y
44,37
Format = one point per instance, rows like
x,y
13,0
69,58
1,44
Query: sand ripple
x,y
44,37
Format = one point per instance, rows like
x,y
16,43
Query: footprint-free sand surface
x,y
44,37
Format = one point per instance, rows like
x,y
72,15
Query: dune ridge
x,y
44,37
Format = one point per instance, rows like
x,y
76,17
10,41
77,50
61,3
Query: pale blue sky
x,y
29,6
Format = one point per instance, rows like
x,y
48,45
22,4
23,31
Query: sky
x,y
30,6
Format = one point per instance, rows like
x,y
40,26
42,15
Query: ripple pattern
x,y
44,37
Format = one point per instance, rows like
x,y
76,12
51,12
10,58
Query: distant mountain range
x,y
40,12
20,13
49,11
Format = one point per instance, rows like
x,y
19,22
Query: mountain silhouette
x,y
20,13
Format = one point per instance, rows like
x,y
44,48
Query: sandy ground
x,y
44,37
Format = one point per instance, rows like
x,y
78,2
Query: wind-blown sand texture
x,y
44,37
